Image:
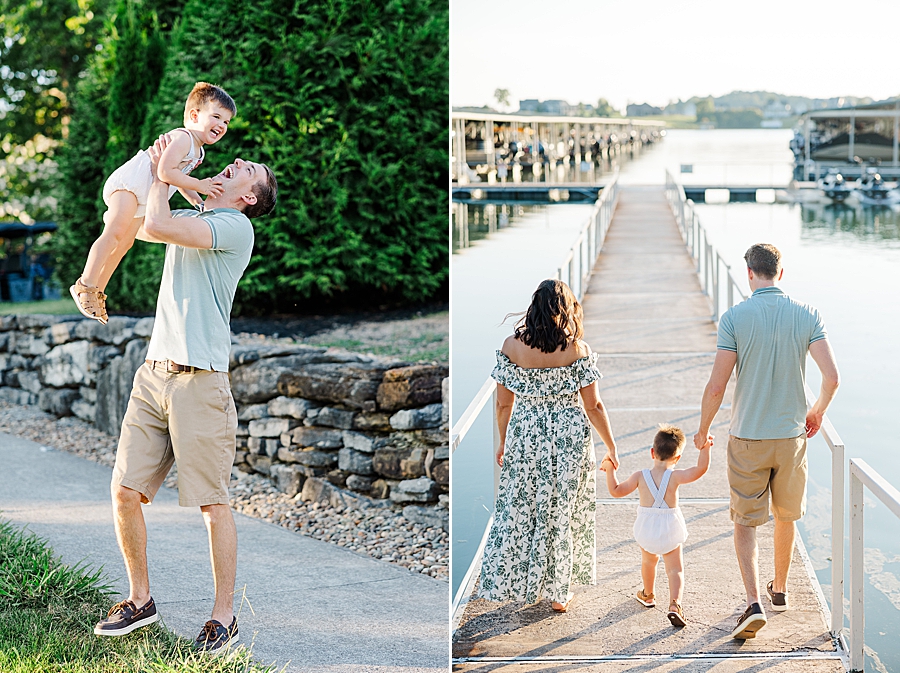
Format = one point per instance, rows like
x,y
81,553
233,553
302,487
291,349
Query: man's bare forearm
x,y
158,203
709,407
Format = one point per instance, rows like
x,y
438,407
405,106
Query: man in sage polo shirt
x,y
181,409
767,337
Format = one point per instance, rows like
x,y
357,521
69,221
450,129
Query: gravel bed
x,y
379,532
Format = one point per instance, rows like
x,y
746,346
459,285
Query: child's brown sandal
x,y
90,301
676,615
647,600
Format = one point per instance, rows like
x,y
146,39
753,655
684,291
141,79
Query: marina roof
x,y
499,117
884,108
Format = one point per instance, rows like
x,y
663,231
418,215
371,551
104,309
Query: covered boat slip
x,y
851,138
646,315
523,140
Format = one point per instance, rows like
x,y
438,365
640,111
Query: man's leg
x,y
785,532
748,557
223,556
131,532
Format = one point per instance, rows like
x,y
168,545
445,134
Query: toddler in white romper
x,y
660,529
206,116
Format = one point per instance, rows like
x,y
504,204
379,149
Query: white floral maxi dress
x,y
542,538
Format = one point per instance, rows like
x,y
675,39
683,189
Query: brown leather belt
x,y
173,367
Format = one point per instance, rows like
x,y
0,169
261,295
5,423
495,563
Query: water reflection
x,y
872,224
472,223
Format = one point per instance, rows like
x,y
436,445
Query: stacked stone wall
x,y
325,425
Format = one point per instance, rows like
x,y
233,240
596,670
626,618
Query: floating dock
x,y
646,315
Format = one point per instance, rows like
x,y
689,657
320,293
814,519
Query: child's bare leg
x,y
117,238
113,261
648,571
675,572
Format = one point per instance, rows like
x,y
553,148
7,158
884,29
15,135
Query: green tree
x,y
140,56
604,109
706,107
44,49
502,96
109,109
347,103
81,170
44,45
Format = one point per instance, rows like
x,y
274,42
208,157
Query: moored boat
x,y
834,186
872,190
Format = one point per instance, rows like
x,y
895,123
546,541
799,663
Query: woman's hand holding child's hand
x,y
603,463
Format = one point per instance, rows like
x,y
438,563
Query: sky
x,y
656,52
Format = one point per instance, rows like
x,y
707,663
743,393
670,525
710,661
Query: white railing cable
x,y
862,476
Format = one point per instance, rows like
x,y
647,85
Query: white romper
x,y
659,529
135,176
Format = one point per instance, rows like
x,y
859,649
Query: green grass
x,y
63,306
417,349
47,615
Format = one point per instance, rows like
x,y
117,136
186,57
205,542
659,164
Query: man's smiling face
x,y
238,178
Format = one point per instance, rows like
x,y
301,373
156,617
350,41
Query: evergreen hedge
x,y
347,101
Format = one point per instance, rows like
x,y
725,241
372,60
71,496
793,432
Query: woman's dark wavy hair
x,y
554,319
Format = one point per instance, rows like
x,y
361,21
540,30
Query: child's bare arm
x,y
168,172
690,474
616,489
191,196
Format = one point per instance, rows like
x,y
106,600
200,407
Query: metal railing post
x,y
857,599
837,540
701,235
717,263
705,265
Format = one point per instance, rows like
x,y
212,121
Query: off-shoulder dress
x,y
542,537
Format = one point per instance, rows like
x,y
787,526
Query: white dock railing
x,y
576,268
709,267
575,271
862,476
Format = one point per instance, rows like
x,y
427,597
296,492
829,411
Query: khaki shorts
x,y
757,467
183,418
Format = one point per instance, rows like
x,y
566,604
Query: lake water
x,y
844,261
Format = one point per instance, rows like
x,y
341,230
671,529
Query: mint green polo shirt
x,y
771,334
193,311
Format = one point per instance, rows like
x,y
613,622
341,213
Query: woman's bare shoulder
x,y
510,345
582,348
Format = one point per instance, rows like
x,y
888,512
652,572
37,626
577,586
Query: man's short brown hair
x,y
204,93
668,443
764,260
266,191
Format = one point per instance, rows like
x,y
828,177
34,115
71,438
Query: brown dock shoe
x,y
779,600
750,622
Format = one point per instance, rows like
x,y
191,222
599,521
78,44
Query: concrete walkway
x,y
646,316
316,607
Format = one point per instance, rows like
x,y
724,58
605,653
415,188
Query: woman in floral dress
x,y
542,538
